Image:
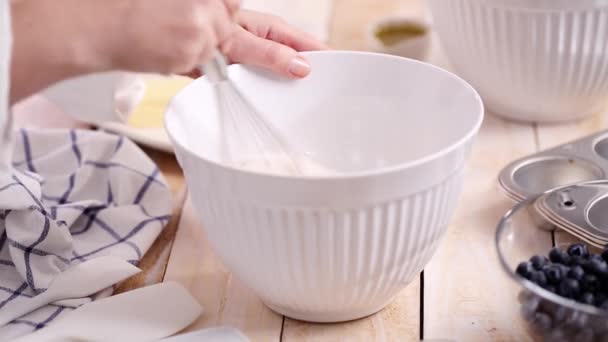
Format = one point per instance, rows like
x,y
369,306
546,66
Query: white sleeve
x,y
6,40
97,98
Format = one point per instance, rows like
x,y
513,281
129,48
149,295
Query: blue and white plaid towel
x,y
74,195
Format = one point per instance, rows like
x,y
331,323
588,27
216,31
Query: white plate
x,y
155,138
150,132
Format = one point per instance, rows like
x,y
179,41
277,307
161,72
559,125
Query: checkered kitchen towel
x,y
74,195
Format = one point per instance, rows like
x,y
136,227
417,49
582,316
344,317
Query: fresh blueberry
x,y
588,298
596,257
599,298
578,249
590,283
565,269
559,256
525,269
605,255
576,273
538,261
578,261
553,273
569,288
539,278
598,267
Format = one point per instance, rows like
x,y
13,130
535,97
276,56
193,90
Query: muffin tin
x,y
581,160
577,171
580,209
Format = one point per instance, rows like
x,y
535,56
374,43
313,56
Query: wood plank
x,y
553,135
463,278
398,322
225,299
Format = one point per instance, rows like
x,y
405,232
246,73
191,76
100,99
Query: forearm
x,y
53,41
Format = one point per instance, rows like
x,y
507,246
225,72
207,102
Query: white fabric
x,y
69,196
5,59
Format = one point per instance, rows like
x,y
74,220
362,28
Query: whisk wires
x,y
246,134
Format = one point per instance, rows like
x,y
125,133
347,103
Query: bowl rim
x,y
470,134
528,285
547,5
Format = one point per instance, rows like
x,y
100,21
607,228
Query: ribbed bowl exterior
x,y
324,264
543,63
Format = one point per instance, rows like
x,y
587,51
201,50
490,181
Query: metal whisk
x,y
246,134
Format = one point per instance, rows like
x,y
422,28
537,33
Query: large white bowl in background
x,y
541,60
337,247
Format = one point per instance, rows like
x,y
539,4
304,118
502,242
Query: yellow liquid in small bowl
x,y
395,33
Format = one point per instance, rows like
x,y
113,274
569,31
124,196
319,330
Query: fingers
x,y
222,22
194,74
232,6
217,25
244,47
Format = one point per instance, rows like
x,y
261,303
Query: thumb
x,y
247,48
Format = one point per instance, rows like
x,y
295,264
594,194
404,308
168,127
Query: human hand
x,y
268,41
59,39
170,36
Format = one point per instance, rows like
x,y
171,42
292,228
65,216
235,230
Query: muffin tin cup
x,y
581,160
581,210
576,171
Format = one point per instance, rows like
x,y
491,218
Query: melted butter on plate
x,y
159,91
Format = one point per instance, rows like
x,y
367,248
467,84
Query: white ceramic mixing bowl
x,y
337,247
541,60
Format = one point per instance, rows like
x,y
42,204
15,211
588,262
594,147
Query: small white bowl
x,y
533,61
336,247
411,47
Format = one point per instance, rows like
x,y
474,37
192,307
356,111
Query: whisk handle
x,y
216,69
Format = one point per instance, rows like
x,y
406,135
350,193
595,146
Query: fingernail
x,y
299,67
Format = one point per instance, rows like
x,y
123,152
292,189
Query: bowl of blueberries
x,y
561,284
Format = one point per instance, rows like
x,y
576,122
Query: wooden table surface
x,y
456,297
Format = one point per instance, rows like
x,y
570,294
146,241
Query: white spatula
x,y
145,314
